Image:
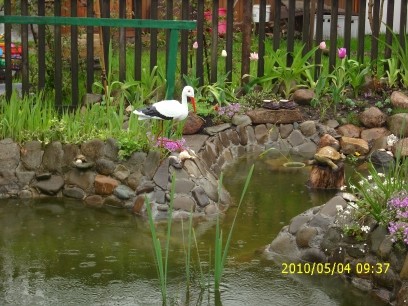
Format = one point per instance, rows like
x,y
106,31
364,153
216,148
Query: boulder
x,y
374,133
104,185
351,145
303,96
373,117
93,149
308,128
31,154
401,148
50,186
328,140
260,115
399,100
398,124
349,130
105,166
53,157
193,124
242,120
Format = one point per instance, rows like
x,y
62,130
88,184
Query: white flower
x,y
339,208
344,187
365,228
370,177
391,140
224,53
361,182
380,174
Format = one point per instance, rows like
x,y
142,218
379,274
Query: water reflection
x,y
63,253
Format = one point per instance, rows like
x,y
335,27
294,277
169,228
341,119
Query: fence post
x,y
172,62
246,40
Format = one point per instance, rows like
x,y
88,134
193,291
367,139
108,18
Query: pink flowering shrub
x,y
225,113
398,227
171,145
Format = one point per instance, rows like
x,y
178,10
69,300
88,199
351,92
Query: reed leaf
x,y
220,255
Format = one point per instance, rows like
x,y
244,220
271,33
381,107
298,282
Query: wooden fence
x,y
310,14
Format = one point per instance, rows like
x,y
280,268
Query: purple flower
x,y
342,53
171,145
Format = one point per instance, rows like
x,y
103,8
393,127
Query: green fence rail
x,y
173,25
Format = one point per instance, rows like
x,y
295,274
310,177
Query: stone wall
x,y
93,173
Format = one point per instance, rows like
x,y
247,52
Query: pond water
x,y
62,253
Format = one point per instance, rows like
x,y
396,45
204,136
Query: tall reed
x,y
220,254
162,262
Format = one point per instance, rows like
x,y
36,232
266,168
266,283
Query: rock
x,y
305,150
9,154
25,194
121,173
296,138
351,145
74,192
145,187
134,180
399,100
83,179
242,120
211,209
370,135
124,192
332,123
111,149
285,244
53,157
402,296
151,163
373,117
43,176
94,200
331,239
138,205
330,208
24,177
210,189
184,202
71,151
195,142
242,133
104,185
401,148
259,116
328,140
305,235
303,96
212,130
313,255
93,149
397,124
50,186
183,185
193,124
297,222
105,166
349,130
261,133
31,154
200,196
113,201
83,165
381,158
285,130
308,128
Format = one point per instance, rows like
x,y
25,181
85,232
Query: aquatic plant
x,y
220,253
160,258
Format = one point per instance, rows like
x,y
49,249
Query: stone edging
x,y
35,170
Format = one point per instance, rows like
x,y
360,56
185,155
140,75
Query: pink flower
x,y
322,45
254,56
195,45
342,53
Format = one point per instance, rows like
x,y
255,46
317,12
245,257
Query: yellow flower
x,y
357,154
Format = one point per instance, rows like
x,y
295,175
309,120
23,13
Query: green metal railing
x,y
174,26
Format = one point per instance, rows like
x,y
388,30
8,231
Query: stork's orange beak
x,y
194,104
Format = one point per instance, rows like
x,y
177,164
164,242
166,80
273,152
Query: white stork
x,y
169,109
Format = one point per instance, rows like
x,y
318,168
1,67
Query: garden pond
x,y
55,252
